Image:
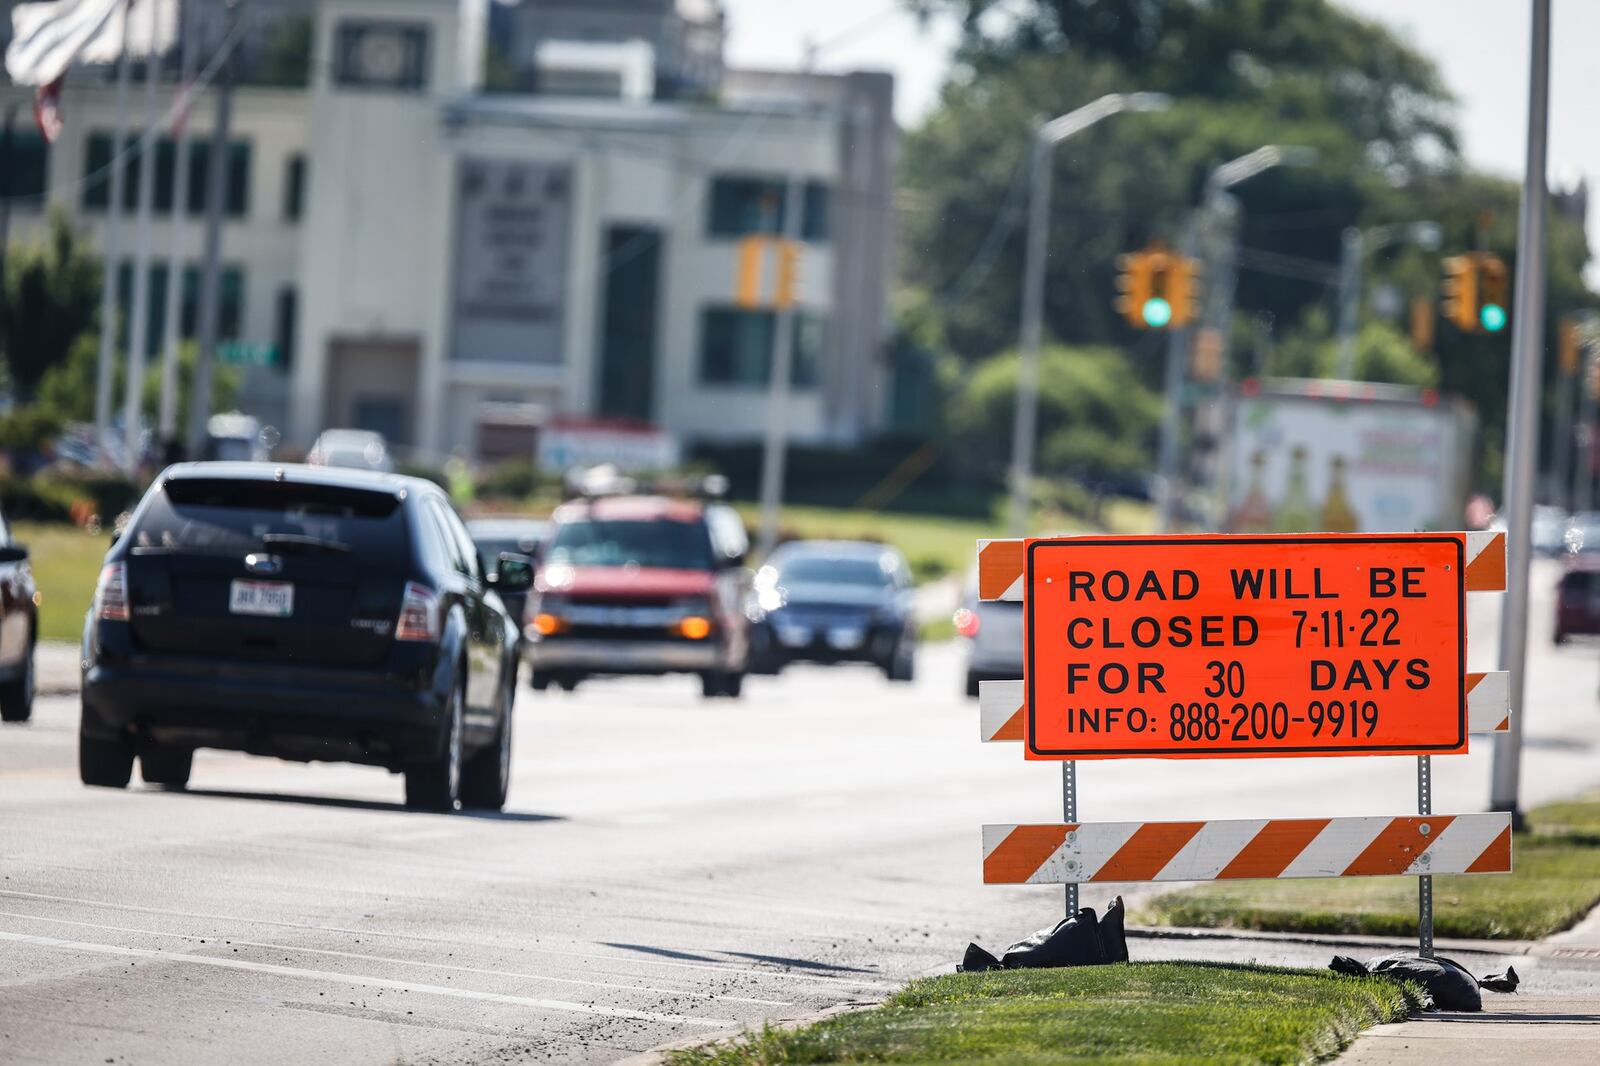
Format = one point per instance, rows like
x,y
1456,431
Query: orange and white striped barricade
x,y
1248,646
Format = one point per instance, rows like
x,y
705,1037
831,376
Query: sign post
x,y
1220,647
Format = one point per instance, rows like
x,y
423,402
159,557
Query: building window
x,y
230,306
294,186
285,320
736,347
97,175
742,206
22,166
381,55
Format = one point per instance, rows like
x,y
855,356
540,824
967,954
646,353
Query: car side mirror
x,y
13,553
514,573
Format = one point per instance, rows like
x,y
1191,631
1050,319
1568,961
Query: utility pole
x,y
1350,251
210,278
7,189
1522,421
1583,457
1046,136
776,447
139,316
1178,346
111,251
171,321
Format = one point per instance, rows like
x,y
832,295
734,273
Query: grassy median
x,y
66,563
1139,1012
1556,881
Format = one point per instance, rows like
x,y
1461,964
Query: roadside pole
x,y
1522,422
1561,437
1178,346
1350,251
210,278
171,324
139,313
1583,457
7,154
783,326
111,251
1046,136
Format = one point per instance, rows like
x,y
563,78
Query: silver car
x,y
992,631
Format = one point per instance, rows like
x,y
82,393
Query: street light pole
x,y
1045,137
1204,224
1522,422
1356,246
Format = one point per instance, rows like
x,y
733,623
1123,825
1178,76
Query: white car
x,y
360,449
992,631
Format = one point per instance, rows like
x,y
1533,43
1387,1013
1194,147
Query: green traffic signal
x,y
1157,312
1492,317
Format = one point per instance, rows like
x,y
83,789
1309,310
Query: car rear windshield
x,y
664,543
1578,581
836,571
214,516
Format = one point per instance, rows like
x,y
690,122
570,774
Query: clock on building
x,y
381,54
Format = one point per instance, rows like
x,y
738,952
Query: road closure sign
x,y
1241,646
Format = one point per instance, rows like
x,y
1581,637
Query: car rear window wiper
x,y
303,542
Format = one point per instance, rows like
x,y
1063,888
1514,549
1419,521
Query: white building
x,y
421,253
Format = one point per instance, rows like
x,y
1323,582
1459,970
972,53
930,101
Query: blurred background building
x,y
447,218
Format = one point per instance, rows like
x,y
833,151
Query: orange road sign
x,y
1245,646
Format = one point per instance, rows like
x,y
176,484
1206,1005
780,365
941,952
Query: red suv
x,y
1578,599
642,585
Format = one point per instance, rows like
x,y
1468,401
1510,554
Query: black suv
x,y
308,613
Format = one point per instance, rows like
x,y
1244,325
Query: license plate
x,y
845,638
273,599
794,636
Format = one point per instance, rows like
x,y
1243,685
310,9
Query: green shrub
x,y
514,479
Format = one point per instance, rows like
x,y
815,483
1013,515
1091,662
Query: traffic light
x,y
1133,282
1492,301
1460,290
1158,289
1475,290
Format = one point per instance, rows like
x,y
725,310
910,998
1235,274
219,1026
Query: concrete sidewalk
x,y
1544,1024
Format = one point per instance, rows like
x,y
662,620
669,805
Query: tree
x,y
1097,419
52,297
286,56
68,390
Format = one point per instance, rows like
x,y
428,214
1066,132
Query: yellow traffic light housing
x,y
1460,289
1158,289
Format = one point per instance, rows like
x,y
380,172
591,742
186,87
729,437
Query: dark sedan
x,y
837,601
312,614
19,629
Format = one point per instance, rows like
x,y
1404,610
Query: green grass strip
x,y
1164,1012
1554,883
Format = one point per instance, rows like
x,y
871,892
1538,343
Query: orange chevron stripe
x,y
1022,852
1013,729
999,564
1496,858
1487,572
1271,851
1398,846
1472,681
1150,848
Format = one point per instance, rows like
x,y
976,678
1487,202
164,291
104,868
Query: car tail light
x,y
419,615
111,594
694,627
548,625
966,621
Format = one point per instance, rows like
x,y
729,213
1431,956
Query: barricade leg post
x,y
1425,883
1069,808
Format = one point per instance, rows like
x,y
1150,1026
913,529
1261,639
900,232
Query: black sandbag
x,y
977,960
1073,941
1113,941
1448,983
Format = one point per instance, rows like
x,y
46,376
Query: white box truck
x,y
1340,456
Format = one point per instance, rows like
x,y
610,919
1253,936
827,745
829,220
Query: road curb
x,y
656,1056
1346,940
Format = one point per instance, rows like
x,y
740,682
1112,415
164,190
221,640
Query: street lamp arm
x,y
1060,128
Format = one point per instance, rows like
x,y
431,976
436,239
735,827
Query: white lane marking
x,y
400,962
365,982
712,967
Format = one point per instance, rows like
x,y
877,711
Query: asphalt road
x,y
668,868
